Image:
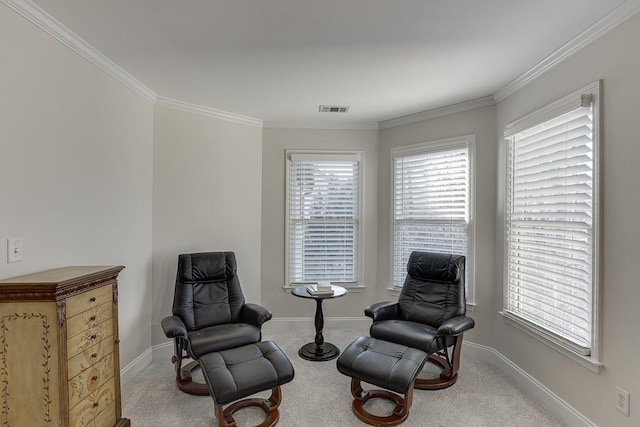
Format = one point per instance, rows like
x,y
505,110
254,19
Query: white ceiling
x,y
277,60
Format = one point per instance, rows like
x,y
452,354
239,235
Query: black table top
x,y
301,291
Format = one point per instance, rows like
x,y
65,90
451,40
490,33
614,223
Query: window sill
x,y
587,362
395,291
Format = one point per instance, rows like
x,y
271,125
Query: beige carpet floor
x,y
319,396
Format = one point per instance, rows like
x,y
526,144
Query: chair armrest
x,y
255,314
386,310
456,326
173,327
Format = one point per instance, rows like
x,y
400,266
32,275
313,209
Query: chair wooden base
x,y
269,406
361,396
185,382
448,372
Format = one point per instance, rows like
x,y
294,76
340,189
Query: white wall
x,y
206,197
275,142
82,157
481,123
76,170
613,58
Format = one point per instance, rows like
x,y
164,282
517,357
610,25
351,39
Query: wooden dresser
x,y
59,352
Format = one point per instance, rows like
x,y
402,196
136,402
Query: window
x,y
551,221
433,203
323,216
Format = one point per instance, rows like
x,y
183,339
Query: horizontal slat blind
x,y
324,196
431,198
550,211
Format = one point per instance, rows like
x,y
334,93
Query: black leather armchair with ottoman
x,y
427,320
430,314
209,313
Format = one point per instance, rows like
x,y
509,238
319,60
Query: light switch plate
x,y
14,249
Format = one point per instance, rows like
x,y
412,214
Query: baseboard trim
x,y
137,365
162,351
547,398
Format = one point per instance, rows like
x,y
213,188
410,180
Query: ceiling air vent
x,y
333,109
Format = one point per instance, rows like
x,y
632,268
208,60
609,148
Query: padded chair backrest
x,y
207,290
433,290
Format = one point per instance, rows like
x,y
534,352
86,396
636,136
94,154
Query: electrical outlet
x,y
622,401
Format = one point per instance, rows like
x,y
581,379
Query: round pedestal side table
x,y
319,351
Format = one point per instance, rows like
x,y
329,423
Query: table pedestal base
x,y
327,351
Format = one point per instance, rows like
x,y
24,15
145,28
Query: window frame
x,y
548,112
358,284
464,141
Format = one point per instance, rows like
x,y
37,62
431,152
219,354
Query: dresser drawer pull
x,y
94,355
117,341
93,337
94,378
95,404
92,318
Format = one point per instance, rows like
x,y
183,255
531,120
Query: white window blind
x,y
323,212
430,203
550,220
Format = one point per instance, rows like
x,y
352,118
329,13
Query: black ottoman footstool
x,y
387,365
234,374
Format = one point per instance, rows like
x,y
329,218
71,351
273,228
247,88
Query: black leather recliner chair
x,y
209,313
429,314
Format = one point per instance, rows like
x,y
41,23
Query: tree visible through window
x,y
432,203
323,217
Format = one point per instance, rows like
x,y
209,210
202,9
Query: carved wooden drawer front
x,y
89,338
85,412
87,300
90,380
88,357
106,418
59,349
89,319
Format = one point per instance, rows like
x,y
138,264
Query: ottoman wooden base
x,y
234,374
361,396
185,382
393,367
269,406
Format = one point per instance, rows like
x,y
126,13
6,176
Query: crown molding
x,y
594,31
322,125
41,19
175,104
64,35
438,112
